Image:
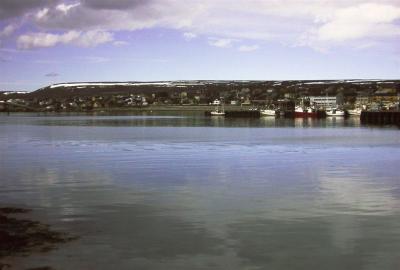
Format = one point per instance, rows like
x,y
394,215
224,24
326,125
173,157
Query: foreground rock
x,y
22,236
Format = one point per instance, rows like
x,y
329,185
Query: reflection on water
x,y
174,119
175,192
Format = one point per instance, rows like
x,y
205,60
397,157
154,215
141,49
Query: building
x,y
321,101
362,100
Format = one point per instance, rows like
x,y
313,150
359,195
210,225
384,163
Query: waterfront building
x,y
323,101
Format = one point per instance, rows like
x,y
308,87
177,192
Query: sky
x,y
51,41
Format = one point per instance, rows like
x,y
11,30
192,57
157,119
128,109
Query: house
x,y
73,105
97,104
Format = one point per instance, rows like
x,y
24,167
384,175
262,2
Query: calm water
x,y
183,191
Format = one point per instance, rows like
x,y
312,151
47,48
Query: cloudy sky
x,y
48,41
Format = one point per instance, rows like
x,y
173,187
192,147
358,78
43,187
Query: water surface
x,y
183,191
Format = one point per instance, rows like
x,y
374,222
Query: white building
x,y
321,101
216,102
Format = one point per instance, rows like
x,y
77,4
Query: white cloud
x,y
93,38
360,26
82,39
221,42
248,48
360,22
65,8
189,36
42,13
120,43
7,30
42,40
315,23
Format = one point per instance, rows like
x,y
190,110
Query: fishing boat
x,y
356,111
334,112
268,112
300,111
219,111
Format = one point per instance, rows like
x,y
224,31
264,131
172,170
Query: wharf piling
x,y
318,114
381,118
247,114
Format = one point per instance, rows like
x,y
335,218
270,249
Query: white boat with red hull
x,y
305,112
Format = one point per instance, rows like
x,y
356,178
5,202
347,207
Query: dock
x,y
247,114
381,118
367,117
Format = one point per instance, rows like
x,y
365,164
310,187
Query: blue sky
x,y
49,41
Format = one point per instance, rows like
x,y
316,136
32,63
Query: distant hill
x,y
311,87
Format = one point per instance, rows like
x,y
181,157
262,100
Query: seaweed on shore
x,y
22,236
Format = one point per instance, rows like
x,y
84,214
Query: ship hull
x,y
306,114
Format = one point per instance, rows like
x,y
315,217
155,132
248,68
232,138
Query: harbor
x,y
199,135
366,117
315,107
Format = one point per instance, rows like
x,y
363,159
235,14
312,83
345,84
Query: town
x,y
368,95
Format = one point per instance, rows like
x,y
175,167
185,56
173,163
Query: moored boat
x,y
334,112
356,111
305,112
268,112
217,112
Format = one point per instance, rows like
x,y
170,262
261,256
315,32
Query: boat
x,y
268,112
219,111
334,112
356,111
300,111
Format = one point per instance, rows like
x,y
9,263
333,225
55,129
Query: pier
x,y
381,118
248,114
257,114
367,117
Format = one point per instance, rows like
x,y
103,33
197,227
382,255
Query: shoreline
x,y
183,108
